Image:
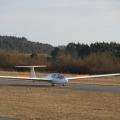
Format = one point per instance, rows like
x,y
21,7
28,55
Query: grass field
x,y
30,103
54,103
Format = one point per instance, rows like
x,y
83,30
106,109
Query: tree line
x,y
22,45
99,57
82,50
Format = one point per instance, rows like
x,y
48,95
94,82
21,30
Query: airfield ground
x,y
30,103
54,103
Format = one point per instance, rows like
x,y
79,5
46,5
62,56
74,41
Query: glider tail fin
x,y
32,70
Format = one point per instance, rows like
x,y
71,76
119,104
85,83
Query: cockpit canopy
x,y
55,76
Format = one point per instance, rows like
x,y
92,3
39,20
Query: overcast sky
x,y
59,22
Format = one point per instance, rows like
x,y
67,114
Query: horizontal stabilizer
x,y
40,66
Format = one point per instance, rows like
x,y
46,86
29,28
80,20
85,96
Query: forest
x,y
96,58
22,45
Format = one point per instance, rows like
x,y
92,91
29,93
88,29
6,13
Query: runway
x,y
77,86
98,88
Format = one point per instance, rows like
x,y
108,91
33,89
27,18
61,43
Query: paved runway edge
x,y
80,87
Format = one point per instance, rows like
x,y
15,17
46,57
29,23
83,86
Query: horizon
x,y
59,22
62,44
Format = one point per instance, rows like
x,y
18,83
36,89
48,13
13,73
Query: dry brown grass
x,y
42,103
30,103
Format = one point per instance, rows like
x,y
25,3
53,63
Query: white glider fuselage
x,y
56,78
53,78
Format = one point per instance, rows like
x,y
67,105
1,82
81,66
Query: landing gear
x,y
64,84
53,84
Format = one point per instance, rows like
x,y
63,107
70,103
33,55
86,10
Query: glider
x,y
53,78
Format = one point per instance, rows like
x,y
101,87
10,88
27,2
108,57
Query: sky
x,y
59,22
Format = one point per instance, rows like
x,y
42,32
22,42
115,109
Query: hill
x,y
22,45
